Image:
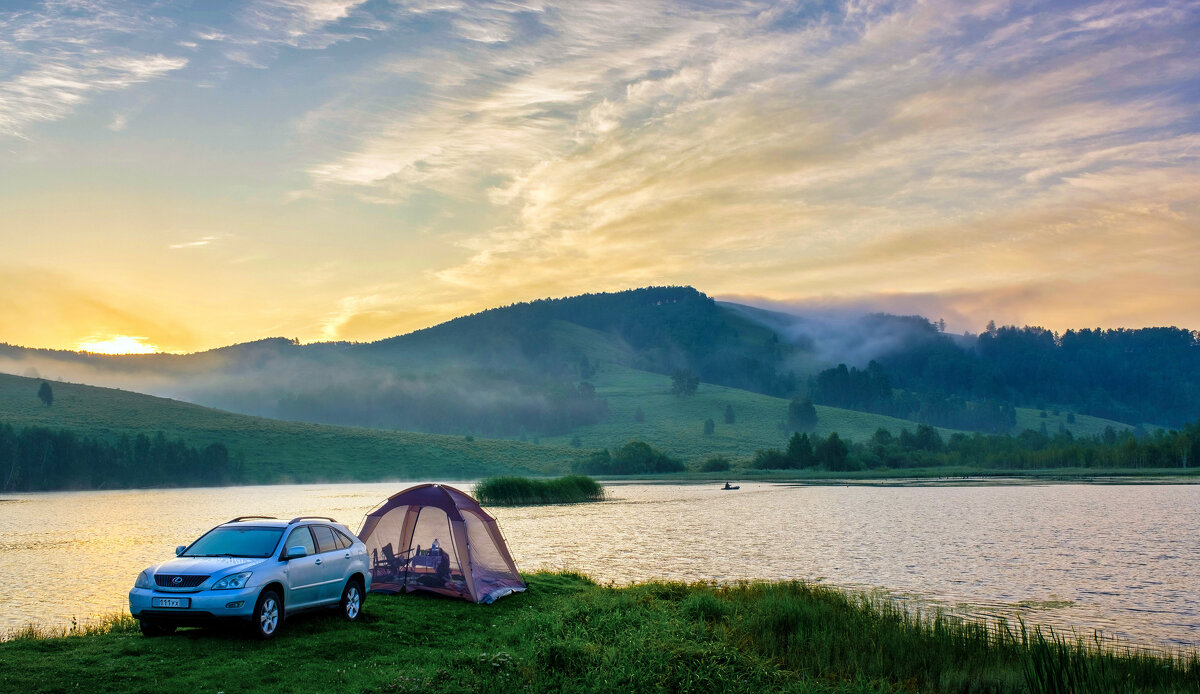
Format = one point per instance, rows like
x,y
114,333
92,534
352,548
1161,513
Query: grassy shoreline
x,y
569,634
948,475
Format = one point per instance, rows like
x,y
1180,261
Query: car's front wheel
x,y
268,614
352,599
150,627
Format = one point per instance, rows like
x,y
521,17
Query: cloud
x,y
56,87
61,54
387,310
537,148
300,23
886,146
1126,300
198,243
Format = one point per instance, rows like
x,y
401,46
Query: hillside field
x,y
676,424
282,451
273,450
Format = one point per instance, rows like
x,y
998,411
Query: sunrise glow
x,y
350,170
118,344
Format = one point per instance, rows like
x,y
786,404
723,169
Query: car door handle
x,y
347,555
317,562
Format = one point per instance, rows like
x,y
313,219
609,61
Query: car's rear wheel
x,y
268,615
352,599
150,627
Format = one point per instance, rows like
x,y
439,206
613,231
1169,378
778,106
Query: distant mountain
x,y
526,369
515,370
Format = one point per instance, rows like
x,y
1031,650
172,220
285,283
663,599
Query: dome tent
x,y
437,538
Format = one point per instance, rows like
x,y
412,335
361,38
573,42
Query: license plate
x,y
170,602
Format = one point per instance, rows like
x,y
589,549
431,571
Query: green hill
x,y
282,451
273,450
1083,426
676,424
515,371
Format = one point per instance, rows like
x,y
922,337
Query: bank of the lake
x,y
1070,555
959,474
569,634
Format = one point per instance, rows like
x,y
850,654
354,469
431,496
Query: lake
x,y
1122,559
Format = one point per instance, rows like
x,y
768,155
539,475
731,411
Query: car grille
x,y
175,581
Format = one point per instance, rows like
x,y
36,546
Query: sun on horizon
x,y
117,344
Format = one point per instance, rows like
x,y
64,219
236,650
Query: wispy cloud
x,y
60,54
878,145
512,149
198,243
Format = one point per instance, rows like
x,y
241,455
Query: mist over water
x,y
1123,559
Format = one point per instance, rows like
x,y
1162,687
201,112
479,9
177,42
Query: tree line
x,y
1142,375
1029,450
871,390
34,459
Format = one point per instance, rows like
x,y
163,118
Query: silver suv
x,y
254,569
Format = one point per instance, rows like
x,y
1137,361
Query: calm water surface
x,y
1122,559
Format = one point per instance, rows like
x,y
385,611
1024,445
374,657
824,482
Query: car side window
x,y
324,538
343,541
303,538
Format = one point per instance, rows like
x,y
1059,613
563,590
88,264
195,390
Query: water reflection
x,y
1123,559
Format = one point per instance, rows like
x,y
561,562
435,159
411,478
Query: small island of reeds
x,y
527,491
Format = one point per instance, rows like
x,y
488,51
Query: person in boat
x,y
727,486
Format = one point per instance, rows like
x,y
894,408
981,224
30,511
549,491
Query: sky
x,y
185,175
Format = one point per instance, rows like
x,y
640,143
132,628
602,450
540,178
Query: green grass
x,y
523,491
274,450
1083,426
568,634
278,451
675,424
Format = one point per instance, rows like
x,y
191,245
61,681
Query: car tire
x,y
152,628
352,600
268,615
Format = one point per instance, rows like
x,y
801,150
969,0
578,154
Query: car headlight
x,y
143,580
233,581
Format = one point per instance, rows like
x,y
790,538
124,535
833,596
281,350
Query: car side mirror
x,y
296,552
179,550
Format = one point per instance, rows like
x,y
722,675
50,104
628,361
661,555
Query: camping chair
x,y
391,563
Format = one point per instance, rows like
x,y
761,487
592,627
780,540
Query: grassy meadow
x,y
676,424
273,450
569,634
276,451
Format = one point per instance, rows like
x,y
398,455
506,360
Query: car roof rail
x,y
300,518
239,519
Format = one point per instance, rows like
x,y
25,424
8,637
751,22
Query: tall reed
x,y
524,491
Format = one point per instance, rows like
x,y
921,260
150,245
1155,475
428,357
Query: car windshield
x,y
236,542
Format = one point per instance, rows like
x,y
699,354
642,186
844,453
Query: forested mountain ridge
x,y
1142,375
526,369
511,371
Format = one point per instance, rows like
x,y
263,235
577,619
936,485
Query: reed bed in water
x,y
814,629
525,491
